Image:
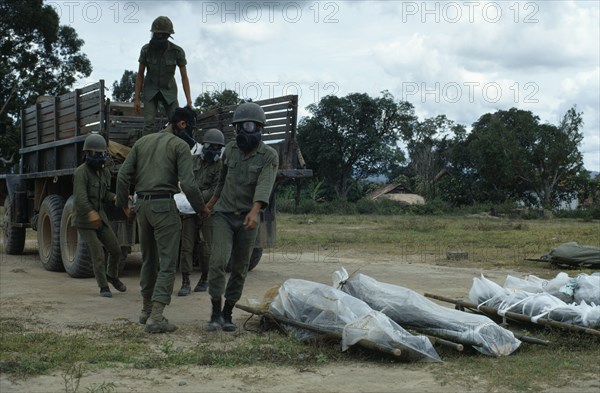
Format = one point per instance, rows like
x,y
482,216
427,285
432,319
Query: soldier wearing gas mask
x,y
207,166
245,184
91,189
160,57
155,165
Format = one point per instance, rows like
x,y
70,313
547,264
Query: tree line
x,y
348,142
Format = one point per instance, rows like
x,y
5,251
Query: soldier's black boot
x,y
119,286
216,317
228,325
202,285
185,285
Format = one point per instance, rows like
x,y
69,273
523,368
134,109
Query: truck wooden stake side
x,y
40,195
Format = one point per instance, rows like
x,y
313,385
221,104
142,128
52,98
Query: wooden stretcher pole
x,y
518,317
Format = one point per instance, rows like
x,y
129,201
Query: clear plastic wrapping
x,y
412,310
332,310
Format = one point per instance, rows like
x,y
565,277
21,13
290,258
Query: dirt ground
x,y
27,289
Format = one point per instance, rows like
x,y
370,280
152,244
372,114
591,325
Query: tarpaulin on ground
x,y
573,254
413,311
332,310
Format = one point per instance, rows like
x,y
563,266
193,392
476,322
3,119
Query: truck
x,y
40,195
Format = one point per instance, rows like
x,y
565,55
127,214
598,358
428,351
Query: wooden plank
x,y
89,101
88,112
88,120
92,87
66,103
278,107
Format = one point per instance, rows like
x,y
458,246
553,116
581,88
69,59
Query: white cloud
x,y
340,47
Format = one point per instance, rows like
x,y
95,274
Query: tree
x,y
37,57
351,138
216,99
124,91
516,157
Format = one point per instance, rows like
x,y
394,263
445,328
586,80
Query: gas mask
x,y
96,160
187,132
210,153
159,41
248,136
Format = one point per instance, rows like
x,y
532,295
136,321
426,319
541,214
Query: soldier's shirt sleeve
x,y
142,58
109,195
181,61
185,173
81,202
266,178
222,173
125,176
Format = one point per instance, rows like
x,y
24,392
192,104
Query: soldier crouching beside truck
x,y
91,183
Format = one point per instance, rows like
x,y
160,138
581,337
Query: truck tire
x,y
48,232
14,238
74,252
254,259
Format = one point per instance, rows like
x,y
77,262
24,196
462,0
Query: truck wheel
x,y
254,259
75,255
14,238
48,232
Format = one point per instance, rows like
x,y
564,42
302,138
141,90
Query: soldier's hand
x,y
136,105
250,221
128,211
94,219
204,213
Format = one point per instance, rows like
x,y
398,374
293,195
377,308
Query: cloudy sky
x,y
458,58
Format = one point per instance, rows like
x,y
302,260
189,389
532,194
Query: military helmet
x,y
94,142
214,137
249,111
162,24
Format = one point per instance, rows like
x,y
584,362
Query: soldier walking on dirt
x,y
160,57
207,166
91,183
155,164
245,184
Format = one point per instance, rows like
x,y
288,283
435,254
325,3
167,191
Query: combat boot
x,y
119,286
202,285
228,325
216,317
146,310
185,285
157,323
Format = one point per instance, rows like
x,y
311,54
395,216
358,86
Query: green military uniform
x,y
155,164
90,191
244,179
206,175
159,81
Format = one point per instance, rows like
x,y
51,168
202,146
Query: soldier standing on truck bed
x,y
155,164
245,184
207,166
91,183
160,57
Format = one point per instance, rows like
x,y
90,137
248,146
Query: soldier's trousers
x,y
96,240
230,239
151,109
159,228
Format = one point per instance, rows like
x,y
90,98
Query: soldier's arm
x,y
222,176
109,196
185,174
185,82
124,177
80,196
266,179
139,82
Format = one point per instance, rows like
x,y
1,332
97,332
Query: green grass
x,y
489,242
